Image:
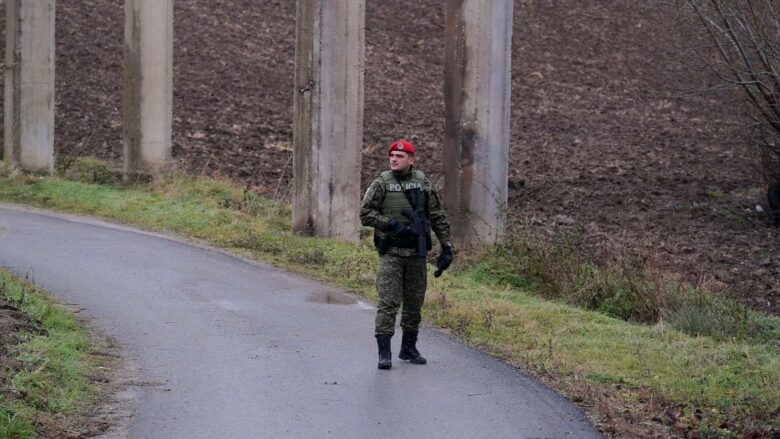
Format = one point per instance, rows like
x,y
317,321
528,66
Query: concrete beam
x,y
148,85
29,84
477,84
328,117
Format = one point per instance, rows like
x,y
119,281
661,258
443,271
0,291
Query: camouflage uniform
x,y
402,276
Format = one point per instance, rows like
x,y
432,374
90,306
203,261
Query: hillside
x,y
606,133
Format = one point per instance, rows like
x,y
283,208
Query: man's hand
x,y
399,228
445,259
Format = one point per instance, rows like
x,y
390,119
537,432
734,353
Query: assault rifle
x,y
419,225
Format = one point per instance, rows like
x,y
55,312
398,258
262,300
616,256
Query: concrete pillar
x,y
148,85
477,94
328,117
29,84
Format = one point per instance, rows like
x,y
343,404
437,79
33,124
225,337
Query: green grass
x,y
735,378
54,382
587,328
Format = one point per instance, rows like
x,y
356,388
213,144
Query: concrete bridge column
x,y
477,94
29,84
328,117
148,85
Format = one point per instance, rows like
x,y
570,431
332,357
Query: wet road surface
x,y
231,348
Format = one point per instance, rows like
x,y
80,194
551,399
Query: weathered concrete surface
x,y
234,349
148,85
477,94
328,117
29,84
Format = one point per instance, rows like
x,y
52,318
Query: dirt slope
x,y
604,133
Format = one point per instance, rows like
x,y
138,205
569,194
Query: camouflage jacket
x,y
371,213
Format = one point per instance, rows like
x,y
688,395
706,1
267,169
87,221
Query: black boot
x,y
409,350
385,356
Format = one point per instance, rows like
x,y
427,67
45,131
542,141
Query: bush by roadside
x,y
612,281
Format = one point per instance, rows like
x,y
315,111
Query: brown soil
x,y
606,133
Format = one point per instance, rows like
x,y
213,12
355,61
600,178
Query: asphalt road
x,y
231,348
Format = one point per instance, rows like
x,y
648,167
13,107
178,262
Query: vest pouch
x,y
382,243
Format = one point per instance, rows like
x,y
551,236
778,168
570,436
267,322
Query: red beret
x,y
402,145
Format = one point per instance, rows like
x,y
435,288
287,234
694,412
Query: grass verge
x,y
635,378
45,388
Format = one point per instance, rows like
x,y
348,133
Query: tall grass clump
x,y
557,267
700,313
563,267
87,170
6,170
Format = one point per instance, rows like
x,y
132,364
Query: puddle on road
x,y
331,297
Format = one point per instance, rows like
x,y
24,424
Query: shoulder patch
x,y
371,191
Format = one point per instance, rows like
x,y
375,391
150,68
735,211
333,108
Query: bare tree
x,y
745,37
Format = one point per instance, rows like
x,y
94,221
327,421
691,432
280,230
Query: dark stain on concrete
x,y
467,147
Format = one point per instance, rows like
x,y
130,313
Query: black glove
x,y
399,228
445,259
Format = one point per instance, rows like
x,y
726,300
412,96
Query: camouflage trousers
x,y
401,281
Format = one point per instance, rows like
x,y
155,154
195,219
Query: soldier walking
x,y
403,207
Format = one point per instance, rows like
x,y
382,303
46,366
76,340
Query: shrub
x,y
617,284
88,170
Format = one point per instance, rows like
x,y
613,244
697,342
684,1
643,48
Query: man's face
x,y
400,161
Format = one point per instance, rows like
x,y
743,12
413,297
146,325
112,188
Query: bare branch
x,y
745,53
